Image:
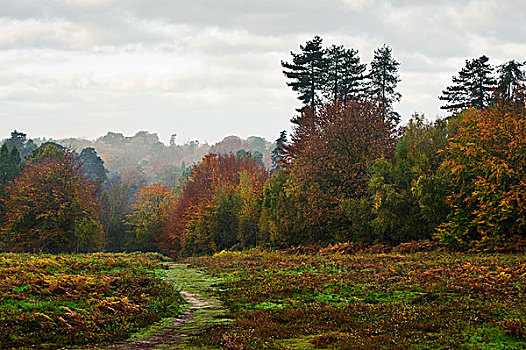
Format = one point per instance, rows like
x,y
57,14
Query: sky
x,y
207,69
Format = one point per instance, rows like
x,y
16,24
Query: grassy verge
x,y
51,301
369,300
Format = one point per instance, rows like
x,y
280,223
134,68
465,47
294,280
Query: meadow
x,y
396,298
52,301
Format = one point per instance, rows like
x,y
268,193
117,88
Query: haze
x,y
207,69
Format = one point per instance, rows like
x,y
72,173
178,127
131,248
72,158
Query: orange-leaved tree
x,y
216,186
487,166
51,207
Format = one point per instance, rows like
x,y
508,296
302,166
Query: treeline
x,y
348,172
142,159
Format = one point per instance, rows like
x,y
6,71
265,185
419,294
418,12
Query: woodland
x,y
351,177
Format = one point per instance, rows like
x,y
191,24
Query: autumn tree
x,y
215,187
148,216
51,207
487,167
408,192
330,154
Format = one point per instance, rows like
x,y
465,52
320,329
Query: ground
x,y
335,298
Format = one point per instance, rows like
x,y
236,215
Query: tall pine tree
x,y
511,78
344,74
307,73
472,88
383,80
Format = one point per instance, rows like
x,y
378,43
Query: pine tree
x,y
472,88
344,73
511,78
383,80
22,144
278,154
307,73
92,165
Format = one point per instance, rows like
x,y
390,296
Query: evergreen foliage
x,y
511,79
307,72
345,74
19,141
472,88
383,80
92,165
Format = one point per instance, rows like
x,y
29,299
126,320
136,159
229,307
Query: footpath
x,y
202,311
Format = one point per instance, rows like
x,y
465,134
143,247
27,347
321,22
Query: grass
x,y
420,300
52,301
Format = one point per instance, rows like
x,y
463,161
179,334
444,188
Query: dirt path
x,y
203,310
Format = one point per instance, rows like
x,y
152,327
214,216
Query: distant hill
x,y
144,159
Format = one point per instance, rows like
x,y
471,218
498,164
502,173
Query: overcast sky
x,y
207,69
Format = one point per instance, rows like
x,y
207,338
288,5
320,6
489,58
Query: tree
x,y
22,144
9,170
9,165
511,78
472,88
330,154
277,155
199,209
344,74
51,207
408,193
486,160
307,72
147,218
282,222
92,165
383,79
115,207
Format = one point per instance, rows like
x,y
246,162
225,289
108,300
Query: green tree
x,y
249,211
282,222
92,165
472,88
278,153
22,144
307,73
344,74
147,218
115,207
9,170
408,194
383,80
511,78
